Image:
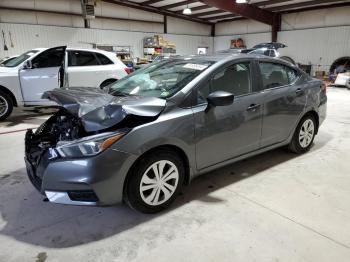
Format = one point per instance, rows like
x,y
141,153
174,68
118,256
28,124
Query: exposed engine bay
x,y
62,126
59,127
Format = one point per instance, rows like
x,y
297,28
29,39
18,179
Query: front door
x,y
46,73
225,132
284,101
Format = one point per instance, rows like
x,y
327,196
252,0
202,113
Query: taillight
x,y
127,70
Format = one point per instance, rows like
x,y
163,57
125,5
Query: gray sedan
x,y
160,127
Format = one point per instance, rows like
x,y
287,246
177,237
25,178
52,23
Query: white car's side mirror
x,y
28,64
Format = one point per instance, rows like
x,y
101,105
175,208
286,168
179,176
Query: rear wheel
x,y
304,135
155,181
6,105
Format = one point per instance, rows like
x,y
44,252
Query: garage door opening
x,y
341,65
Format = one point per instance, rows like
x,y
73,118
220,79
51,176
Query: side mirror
x,y
220,98
28,64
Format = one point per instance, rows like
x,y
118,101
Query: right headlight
x,y
87,146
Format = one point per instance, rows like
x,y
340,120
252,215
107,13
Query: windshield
x,y
19,59
161,80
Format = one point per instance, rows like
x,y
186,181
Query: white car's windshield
x,y
161,80
19,59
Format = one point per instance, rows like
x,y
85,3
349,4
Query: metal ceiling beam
x,y
78,15
301,5
220,17
179,4
311,8
197,8
245,10
270,2
232,19
150,2
208,13
157,10
263,3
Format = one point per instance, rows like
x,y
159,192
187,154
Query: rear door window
x,y
81,58
273,75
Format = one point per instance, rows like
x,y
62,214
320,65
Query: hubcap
x,y
159,182
3,106
306,133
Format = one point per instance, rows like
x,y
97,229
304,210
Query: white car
x,y
25,78
343,79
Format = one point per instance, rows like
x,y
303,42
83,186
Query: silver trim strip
x,y
63,198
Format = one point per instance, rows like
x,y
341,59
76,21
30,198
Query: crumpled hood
x,y
99,110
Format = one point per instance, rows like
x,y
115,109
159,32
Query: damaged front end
x,y
39,145
87,123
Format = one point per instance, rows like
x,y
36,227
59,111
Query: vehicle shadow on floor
x,y
34,116
28,219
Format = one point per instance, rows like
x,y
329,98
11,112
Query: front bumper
x,y
97,180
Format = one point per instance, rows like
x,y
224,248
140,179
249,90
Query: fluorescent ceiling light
x,y
241,1
187,11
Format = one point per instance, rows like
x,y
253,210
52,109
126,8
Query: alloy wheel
x,y
3,106
159,182
306,133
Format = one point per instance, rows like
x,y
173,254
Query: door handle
x,y
253,107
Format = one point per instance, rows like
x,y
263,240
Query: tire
x,y
302,140
146,193
107,82
6,105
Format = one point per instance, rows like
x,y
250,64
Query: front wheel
x,y
6,105
155,181
304,135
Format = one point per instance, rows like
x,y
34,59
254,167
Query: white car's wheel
x,y
155,181
6,105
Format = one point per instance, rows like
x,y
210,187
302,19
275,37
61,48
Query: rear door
x,y
47,73
225,132
284,101
84,69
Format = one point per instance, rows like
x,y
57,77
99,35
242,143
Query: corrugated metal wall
x,y
34,26
315,37
319,47
26,37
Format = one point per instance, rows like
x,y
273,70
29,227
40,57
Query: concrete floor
x,y
273,207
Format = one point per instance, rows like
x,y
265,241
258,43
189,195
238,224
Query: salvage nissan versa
x,y
161,126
